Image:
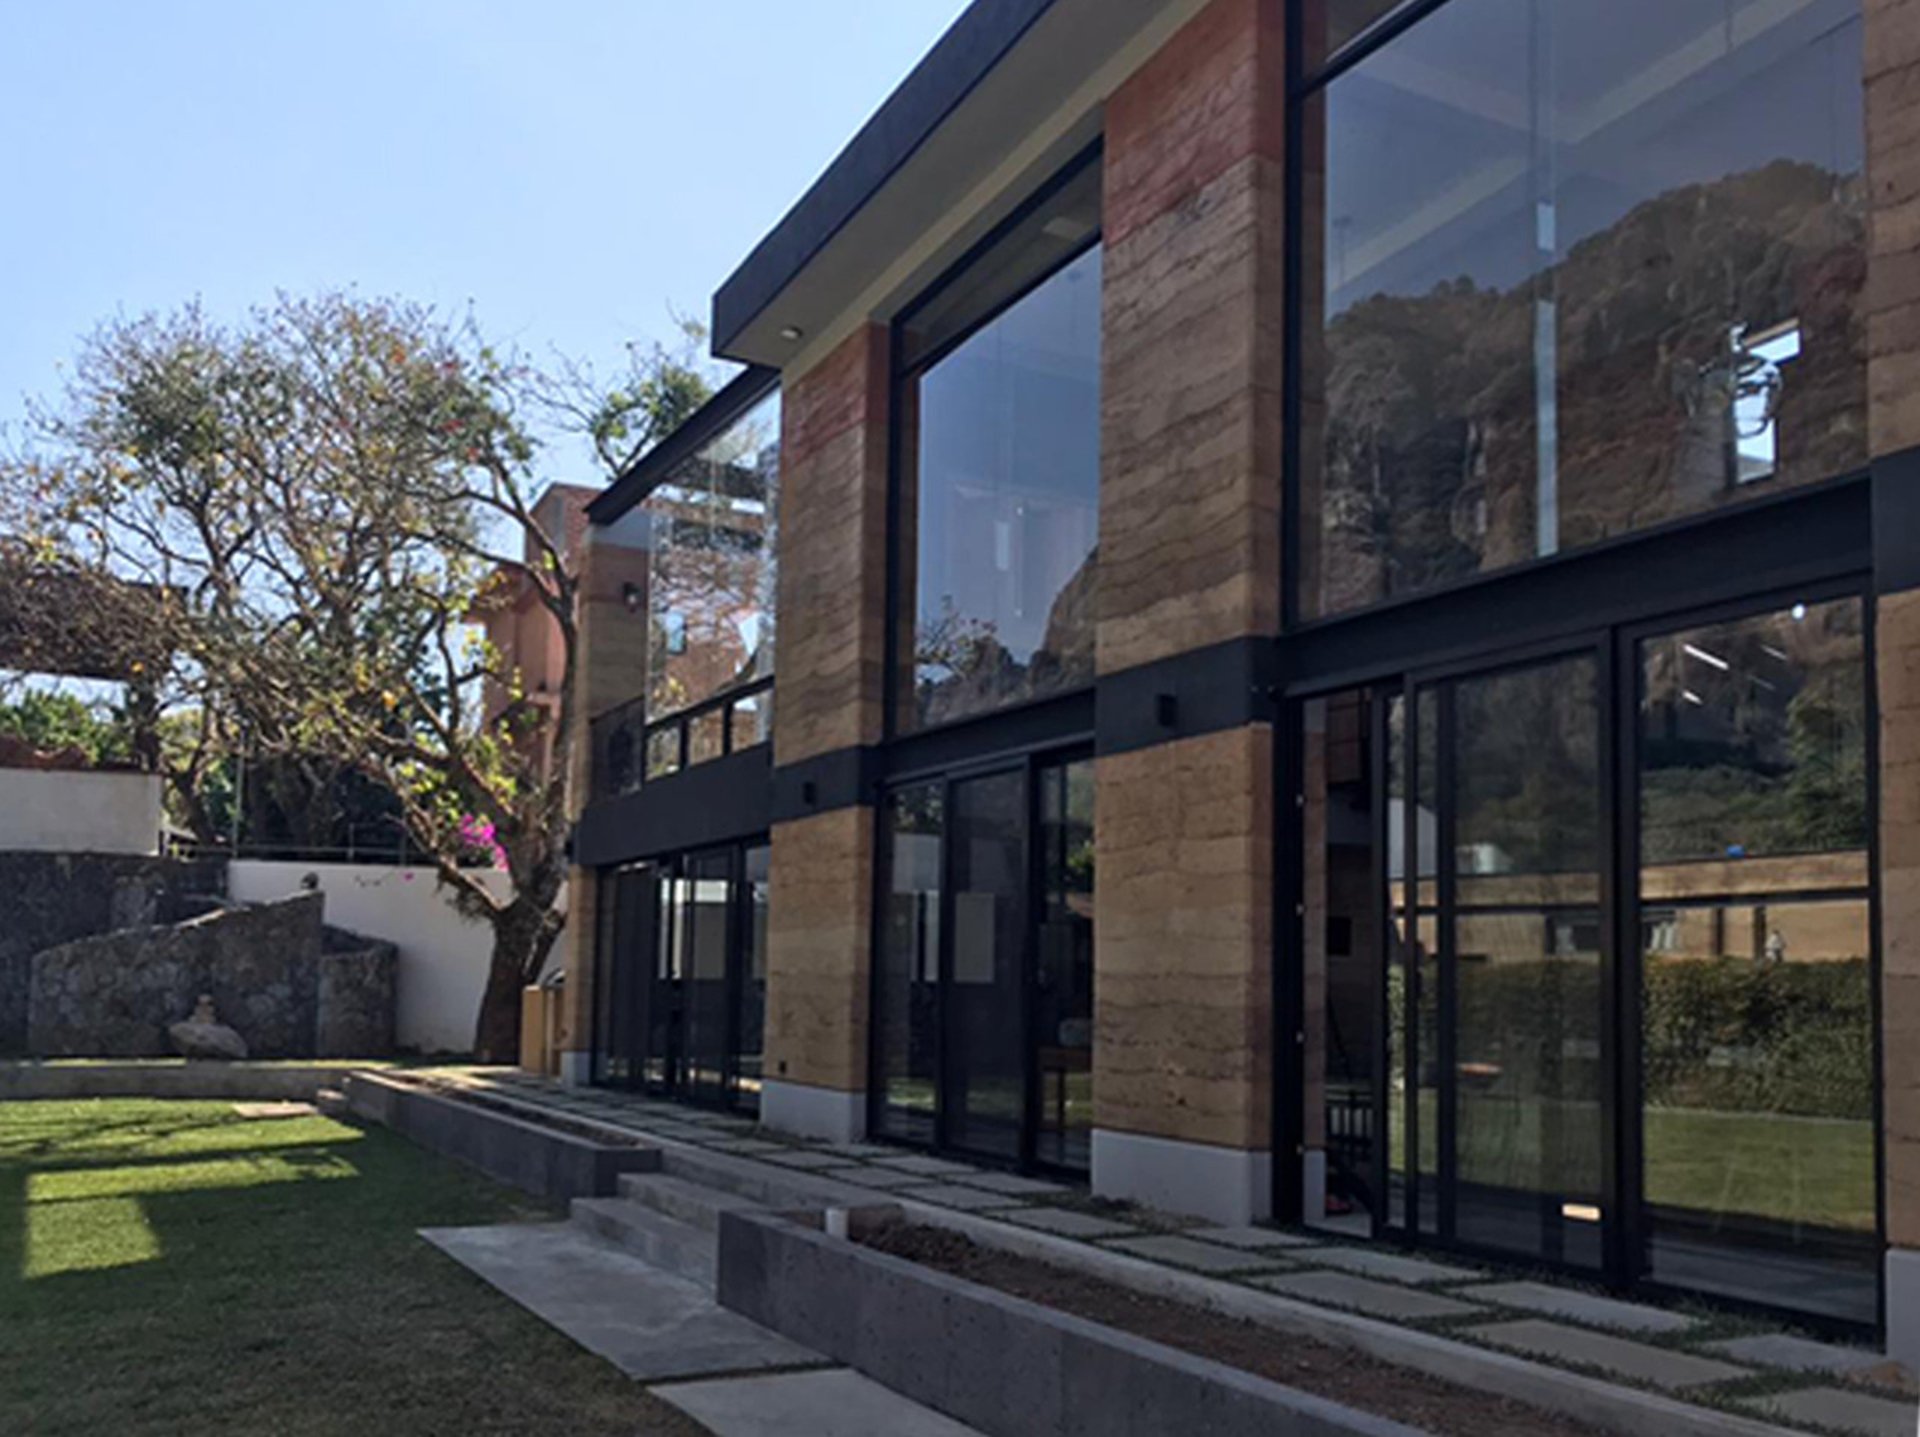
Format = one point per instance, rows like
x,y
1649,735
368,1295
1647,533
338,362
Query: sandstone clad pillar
x,y
611,670
1893,340
1189,561
832,606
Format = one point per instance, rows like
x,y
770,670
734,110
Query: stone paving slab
x,y
1064,1222
885,1179
1363,1294
1577,1306
804,1159
820,1404
1197,1256
1371,1262
927,1167
678,1132
1633,1361
749,1147
1250,1239
1013,1185
964,1199
861,1150
1796,1354
1844,1411
650,1325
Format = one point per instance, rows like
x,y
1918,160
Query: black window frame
x,y
901,376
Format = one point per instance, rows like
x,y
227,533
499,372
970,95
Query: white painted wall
x,y
83,812
443,954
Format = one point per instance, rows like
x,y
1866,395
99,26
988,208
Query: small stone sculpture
x,y
205,1036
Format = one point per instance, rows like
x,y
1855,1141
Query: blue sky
x,y
574,168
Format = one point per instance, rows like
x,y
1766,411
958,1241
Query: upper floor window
x,y
710,585
999,469
1581,267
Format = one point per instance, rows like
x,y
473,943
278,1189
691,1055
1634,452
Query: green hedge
x,y
1726,1034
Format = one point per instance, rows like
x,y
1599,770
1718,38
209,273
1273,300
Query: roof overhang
x,y
705,424
996,80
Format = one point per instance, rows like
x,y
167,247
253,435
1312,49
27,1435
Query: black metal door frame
x,y
1615,649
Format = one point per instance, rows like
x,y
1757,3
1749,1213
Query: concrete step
x,y
763,1183
682,1199
660,1241
332,1103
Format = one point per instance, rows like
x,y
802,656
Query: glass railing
x,y
629,751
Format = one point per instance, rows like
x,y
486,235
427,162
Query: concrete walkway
x,y
1771,1375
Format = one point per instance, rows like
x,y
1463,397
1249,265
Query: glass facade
x,y
999,471
710,585
1582,267
681,988
1757,959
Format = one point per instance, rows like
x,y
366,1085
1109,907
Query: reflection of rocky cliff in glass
x,y
1003,500
1575,288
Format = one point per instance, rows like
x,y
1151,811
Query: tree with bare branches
x,y
334,490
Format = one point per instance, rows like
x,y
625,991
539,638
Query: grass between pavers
x,y
169,1267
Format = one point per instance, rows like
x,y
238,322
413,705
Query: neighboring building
x,y
1349,599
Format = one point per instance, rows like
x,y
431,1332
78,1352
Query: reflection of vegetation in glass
x,y
1754,737
1527,337
907,966
1538,814
710,591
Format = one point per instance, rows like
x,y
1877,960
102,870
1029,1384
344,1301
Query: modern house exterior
x,y
1348,600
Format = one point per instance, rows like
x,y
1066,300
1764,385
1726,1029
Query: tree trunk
x,y
522,937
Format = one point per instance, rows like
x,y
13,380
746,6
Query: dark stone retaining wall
x,y
51,898
204,1081
1006,1366
546,1163
267,968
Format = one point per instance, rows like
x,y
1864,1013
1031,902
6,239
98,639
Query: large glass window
x,y
1582,267
1757,975
999,482
907,970
710,592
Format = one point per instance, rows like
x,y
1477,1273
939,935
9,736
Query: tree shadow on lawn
x,y
275,1287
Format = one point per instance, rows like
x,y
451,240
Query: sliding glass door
x,y
1586,958
983,985
682,998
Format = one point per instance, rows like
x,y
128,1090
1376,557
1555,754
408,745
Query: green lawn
x,y
1816,1172
167,1267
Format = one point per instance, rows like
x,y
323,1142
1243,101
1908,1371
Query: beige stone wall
x,y
833,524
1191,369
819,950
1189,557
1184,912
1893,175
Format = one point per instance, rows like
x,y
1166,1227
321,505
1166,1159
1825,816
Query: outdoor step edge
x,y
660,1241
683,1199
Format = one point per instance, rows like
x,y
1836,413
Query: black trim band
x,y
702,807
1224,686
1896,522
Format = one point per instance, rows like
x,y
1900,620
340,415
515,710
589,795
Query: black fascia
x,y
938,85
711,804
707,423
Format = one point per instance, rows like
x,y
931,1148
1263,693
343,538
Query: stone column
x,y
611,671
1893,383
1189,561
832,598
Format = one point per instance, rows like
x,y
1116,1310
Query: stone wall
x,y
53,898
273,973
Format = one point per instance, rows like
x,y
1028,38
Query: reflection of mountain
x,y
963,674
1432,446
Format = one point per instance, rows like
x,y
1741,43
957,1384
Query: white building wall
x,y
443,954
85,812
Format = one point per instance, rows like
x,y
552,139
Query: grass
x,y
1813,1172
169,1267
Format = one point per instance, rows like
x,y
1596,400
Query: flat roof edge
x,y
972,46
645,474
